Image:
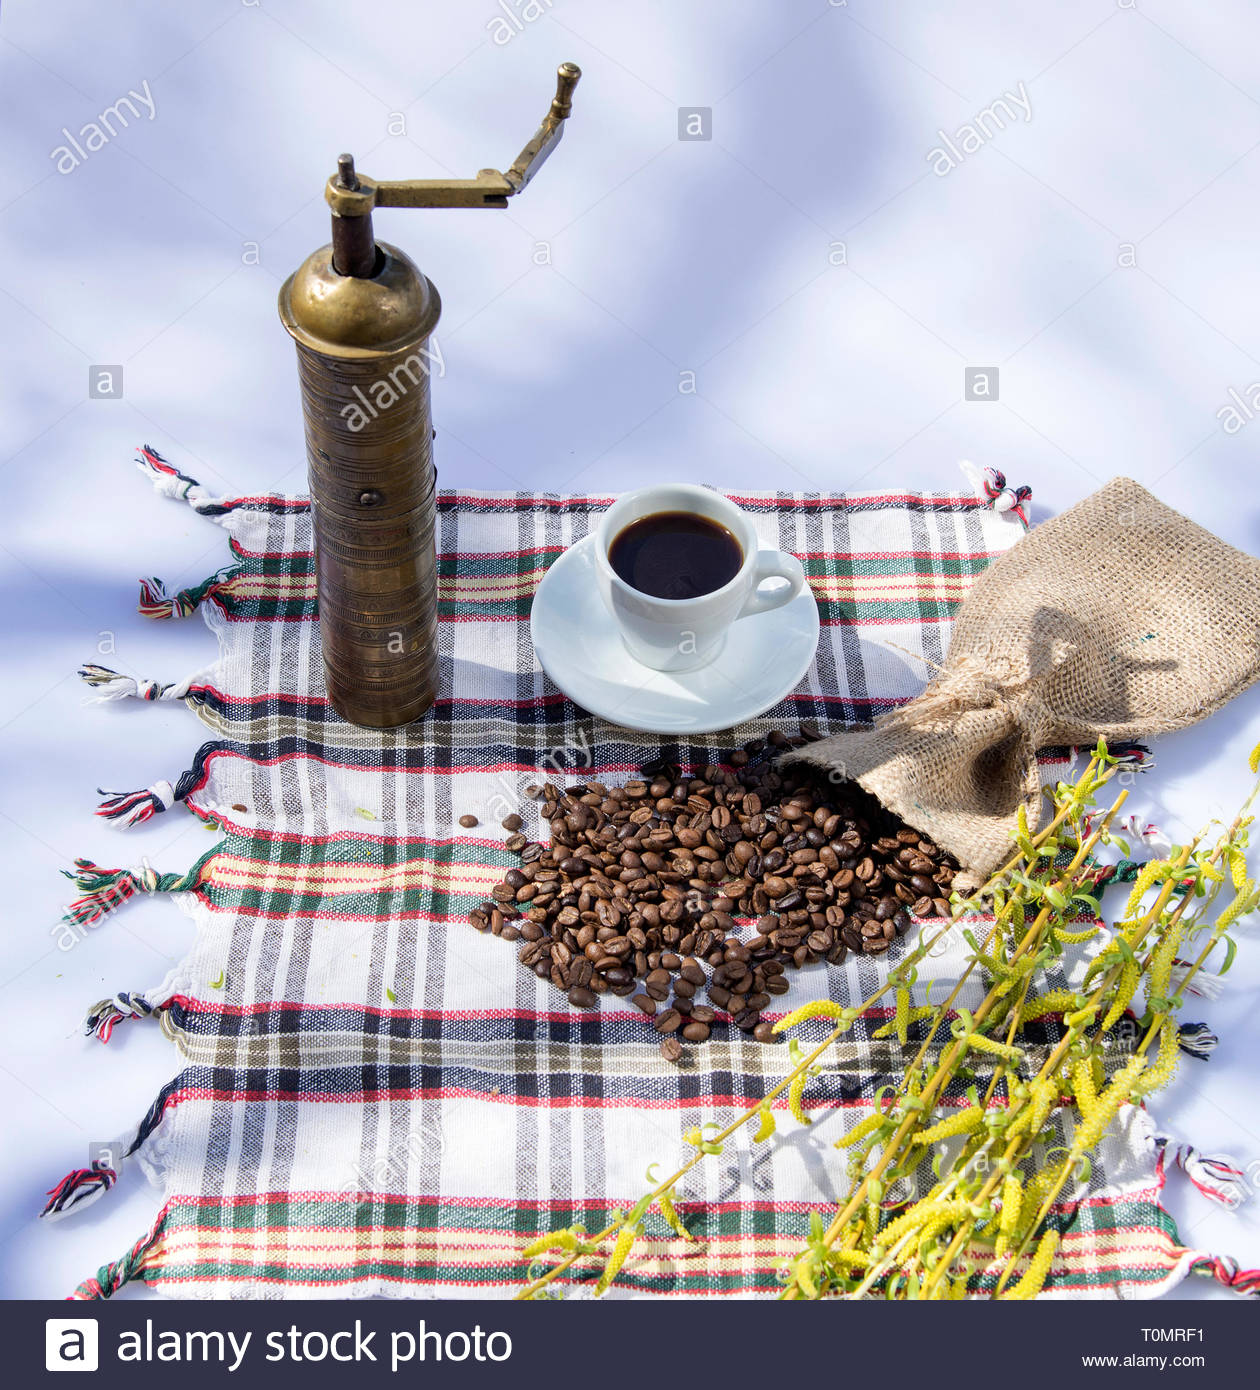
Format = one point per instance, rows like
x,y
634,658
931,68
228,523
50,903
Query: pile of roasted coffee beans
x,y
641,887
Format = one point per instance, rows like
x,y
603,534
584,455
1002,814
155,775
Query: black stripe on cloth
x,y
584,1029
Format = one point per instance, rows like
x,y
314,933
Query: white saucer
x,y
579,647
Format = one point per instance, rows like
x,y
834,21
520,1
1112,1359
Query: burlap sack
x,y
1120,618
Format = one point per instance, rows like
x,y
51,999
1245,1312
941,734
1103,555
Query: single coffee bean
x,y
468,821
764,1032
645,1003
696,1032
668,1022
581,998
671,1049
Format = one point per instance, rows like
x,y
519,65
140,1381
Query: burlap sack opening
x,y
1118,619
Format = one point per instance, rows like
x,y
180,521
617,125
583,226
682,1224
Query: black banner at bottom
x,y
630,1343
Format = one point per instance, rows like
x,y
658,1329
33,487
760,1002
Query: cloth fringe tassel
x,y
122,809
1203,985
1136,756
1227,1271
79,1188
1125,871
168,481
113,685
1132,828
103,891
111,1277
106,1013
156,602
991,484
1216,1176
83,1186
1197,1040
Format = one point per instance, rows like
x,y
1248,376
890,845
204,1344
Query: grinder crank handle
x,y
355,195
547,136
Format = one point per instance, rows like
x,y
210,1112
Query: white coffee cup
x,y
682,634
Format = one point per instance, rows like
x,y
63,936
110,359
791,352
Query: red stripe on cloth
x,y
359,918
458,555
532,702
250,1199
441,771
942,501
897,555
290,1281
264,697
211,1006
770,1280
884,622
427,771
524,618
271,499
550,1204
239,549
419,771
503,504
275,618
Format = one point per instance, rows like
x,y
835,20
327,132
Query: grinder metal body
x,y
361,314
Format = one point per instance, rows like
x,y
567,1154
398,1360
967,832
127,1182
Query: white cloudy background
x,y
712,257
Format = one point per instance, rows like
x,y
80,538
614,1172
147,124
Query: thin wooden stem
x,y
946,1065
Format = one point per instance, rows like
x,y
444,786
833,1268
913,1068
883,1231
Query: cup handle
x,y
773,564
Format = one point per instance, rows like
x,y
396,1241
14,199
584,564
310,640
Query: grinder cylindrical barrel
x,y
364,363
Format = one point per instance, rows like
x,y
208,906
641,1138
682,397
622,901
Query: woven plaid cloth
x,y
374,1099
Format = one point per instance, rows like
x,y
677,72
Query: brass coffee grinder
x,y
361,314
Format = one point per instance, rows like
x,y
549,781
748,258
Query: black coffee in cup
x,y
675,555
